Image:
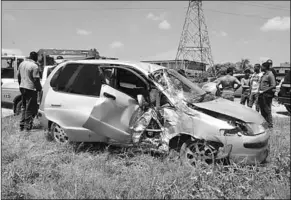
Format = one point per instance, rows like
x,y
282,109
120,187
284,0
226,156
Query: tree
x,y
243,65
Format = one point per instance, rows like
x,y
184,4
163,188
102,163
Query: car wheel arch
x,y
177,141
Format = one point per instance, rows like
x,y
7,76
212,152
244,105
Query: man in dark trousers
x,y
29,85
228,85
266,92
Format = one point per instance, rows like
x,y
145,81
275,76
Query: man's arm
x,y
18,75
36,78
237,82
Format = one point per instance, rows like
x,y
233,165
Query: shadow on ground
x,y
285,113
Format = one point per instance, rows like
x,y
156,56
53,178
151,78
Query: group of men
x,y
257,88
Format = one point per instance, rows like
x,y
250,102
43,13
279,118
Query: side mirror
x,y
140,100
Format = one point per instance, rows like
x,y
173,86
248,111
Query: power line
x,y
244,3
254,16
105,9
276,6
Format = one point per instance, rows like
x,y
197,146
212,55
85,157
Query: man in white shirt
x,y
254,87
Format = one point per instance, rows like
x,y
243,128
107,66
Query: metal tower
x,y
194,42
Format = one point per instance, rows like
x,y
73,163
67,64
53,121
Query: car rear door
x,y
74,90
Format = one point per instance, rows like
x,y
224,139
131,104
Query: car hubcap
x,y
199,152
60,135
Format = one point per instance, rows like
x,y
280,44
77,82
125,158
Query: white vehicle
x,y
11,96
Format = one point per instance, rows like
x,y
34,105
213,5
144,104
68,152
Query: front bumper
x,y
249,149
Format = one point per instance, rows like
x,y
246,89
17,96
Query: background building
x,y
282,70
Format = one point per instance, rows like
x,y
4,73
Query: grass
x,y
33,168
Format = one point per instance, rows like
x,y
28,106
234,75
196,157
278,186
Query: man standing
x,y
245,82
227,82
29,85
254,87
266,93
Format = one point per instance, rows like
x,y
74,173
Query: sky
x,y
147,30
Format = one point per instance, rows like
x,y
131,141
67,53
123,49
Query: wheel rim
x,y
199,152
59,135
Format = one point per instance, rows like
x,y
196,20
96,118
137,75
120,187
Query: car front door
x,y
118,101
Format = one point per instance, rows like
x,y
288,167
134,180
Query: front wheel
x,y
288,108
196,151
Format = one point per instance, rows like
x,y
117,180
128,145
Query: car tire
x,y
196,151
57,133
17,109
288,108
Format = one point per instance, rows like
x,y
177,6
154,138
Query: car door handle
x,y
56,105
109,96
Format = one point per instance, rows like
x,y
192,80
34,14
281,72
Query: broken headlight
x,y
229,132
244,128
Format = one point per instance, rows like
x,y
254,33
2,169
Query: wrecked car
x,y
149,106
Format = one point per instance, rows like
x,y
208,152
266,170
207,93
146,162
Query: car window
x,y
81,79
87,81
49,71
108,76
126,79
7,73
123,80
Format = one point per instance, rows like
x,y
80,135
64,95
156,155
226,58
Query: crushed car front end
x,y
229,129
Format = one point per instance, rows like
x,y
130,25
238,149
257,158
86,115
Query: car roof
x,y
144,67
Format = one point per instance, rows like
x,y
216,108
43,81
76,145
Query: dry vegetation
x,y
33,168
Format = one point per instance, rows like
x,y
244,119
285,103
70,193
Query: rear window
x,y
83,79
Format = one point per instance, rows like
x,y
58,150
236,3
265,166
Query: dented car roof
x,y
145,68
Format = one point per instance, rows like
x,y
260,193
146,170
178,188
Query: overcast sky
x,y
141,30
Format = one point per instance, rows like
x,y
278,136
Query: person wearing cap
x,y
266,92
245,82
254,87
29,84
227,82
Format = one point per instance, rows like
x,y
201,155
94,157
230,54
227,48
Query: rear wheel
x,y
288,107
57,134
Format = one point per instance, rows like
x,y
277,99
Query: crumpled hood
x,y
232,109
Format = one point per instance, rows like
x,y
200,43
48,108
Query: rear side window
x,y
83,79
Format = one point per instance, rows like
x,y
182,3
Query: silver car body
x,y
106,119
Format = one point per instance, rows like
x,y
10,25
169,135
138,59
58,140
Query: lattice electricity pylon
x,y
194,42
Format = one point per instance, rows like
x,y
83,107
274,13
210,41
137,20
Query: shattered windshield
x,y
177,86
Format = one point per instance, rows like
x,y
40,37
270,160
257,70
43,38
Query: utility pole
x,y
194,42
